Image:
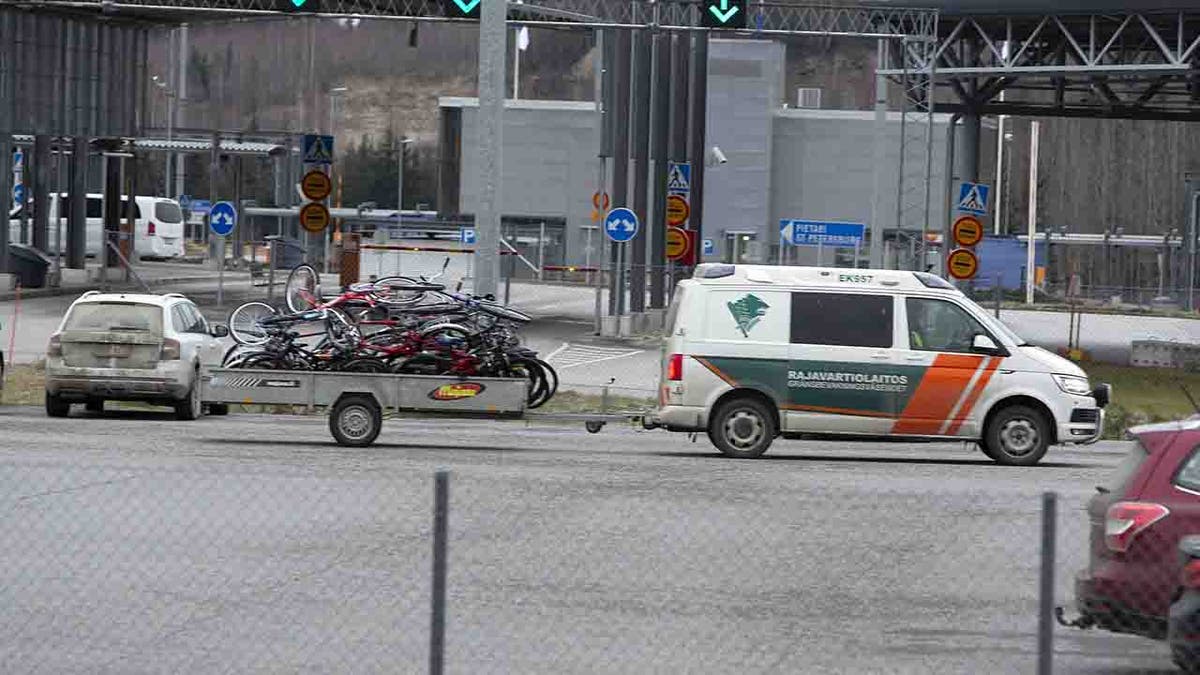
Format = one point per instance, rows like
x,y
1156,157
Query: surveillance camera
x,y
718,156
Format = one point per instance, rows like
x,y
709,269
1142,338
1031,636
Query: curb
x,y
29,293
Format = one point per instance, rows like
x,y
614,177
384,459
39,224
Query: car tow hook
x,y
1084,621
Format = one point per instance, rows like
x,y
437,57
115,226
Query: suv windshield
x,y
115,316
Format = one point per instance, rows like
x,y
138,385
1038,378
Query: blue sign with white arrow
x,y
222,218
621,225
18,194
821,233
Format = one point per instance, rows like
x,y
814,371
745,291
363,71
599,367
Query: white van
x,y
752,352
158,224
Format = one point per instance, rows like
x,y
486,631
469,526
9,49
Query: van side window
x,y
941,326
94,209
1188,477
842,319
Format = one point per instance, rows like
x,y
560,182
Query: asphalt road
x,y
134,543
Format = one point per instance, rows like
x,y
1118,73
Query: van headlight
x,y
1073,385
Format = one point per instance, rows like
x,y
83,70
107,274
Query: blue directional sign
x,y
318,149
621,224
973,198
201,206
467,235
821,233
709,247
222,218
19,194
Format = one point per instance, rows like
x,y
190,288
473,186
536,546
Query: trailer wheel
x,y
593,426
355,420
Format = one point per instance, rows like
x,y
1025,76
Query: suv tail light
x,y
55,346
1190,577
151,228
675,367
170,350
1126,520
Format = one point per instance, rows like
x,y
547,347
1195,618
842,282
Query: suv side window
x,y
179,319
842,319
1188,477
199,325
941,326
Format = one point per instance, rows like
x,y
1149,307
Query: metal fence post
x,y
1046,597
271,269
437,627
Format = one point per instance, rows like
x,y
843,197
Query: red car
x,y
1137,521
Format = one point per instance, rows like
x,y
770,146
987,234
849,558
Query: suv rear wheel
x,y
94,405
190,408
1017,435
56,406
742,427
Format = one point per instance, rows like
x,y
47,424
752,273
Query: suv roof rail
x,y
88,294
174,295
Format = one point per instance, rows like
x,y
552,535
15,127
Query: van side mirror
x,y
220,331
983,344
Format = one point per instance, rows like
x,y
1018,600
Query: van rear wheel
x,y
742,427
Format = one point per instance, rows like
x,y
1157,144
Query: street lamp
x,y
401,141
166,89
333,93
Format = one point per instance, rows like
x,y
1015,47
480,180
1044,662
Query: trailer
x,y
357,402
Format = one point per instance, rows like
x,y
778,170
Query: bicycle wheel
x,y
364,364
423,364
530,370
398,290
245,323
265,362
551,378
503,312
303,289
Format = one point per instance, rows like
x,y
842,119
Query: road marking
x,y
570,356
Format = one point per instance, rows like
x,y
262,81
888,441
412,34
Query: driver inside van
x,y
938,326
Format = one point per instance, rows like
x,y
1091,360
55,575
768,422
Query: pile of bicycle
x,y
392,325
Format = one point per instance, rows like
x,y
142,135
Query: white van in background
x,y
158,225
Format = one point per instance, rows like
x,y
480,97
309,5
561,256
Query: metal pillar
x,y
77,209
968,157
489,209
40,184
178,112
878,205
620,190
7,109
699,149
660,127
951,138
641,174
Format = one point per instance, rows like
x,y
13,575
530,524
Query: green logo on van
x,y
747,312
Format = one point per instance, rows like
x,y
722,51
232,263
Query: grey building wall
x,y
824,169
549,164
745,87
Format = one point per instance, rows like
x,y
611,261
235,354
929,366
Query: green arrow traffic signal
x,y
298,5
461,9
724,14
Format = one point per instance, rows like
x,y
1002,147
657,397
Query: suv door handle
x,y
915,357
881,357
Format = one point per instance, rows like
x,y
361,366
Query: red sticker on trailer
x,y
456,391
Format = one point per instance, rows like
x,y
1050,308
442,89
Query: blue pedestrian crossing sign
x,y
222,218
621,225
467,235
679,177
973,198
318,149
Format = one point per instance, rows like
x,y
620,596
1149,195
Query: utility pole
x,y
489,209
181,94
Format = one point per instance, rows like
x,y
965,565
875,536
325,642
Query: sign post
x,y
679,208
222,219
962,263
316,185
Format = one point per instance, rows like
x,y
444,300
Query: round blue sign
x,y
222,218
621,224
19,193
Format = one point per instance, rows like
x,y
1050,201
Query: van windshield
x,y
994,324
168,212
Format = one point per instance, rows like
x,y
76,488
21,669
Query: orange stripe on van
x,y
973,397
836,411
940,388
716,371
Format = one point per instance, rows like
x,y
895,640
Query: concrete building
x,y
782,163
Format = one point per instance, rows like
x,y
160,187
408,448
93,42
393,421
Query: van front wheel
x,y
743,428
1017,436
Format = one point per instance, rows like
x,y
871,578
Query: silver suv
x,y
129,347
